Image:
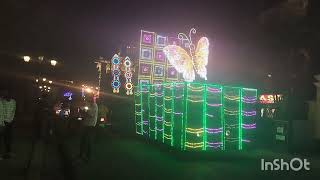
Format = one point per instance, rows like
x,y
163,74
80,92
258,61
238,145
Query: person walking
x,y
88,130
9,106
103,113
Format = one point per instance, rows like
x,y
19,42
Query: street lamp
x,y
53,62
26,58
44,79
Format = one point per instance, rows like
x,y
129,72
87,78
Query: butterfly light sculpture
x,y
189,63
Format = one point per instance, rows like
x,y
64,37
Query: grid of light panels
x,y
196,116
153,65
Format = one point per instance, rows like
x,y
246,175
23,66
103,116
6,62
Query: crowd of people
x,y
46,123
7,114
82,117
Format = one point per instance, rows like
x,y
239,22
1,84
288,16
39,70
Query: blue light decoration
x,y
115,70
68,94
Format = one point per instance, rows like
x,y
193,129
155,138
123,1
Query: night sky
x,y
78,31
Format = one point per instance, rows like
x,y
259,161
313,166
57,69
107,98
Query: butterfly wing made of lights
x,y
201,57
181,61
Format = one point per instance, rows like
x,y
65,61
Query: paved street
x,y
32,160
143,160
113,152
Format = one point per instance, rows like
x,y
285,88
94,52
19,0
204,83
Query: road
x,y
123,157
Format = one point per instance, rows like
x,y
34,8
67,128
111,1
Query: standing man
x,y
9,113
87,134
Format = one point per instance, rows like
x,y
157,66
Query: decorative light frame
x,y
196,116
116,72
127,63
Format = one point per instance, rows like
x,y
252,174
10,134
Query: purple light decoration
x,y
158,118
249,113
214,90
249,126
214,144
147,38
214,130
215,147
249,99
146,122
214,105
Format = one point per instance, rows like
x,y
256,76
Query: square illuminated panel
x,y
161,40
159,56
145,69
152,61
147,38
172,73
146,53
159,71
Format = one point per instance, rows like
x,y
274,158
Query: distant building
x,y
131,50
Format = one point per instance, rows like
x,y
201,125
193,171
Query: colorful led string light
x,y
128,75
115,69
225,105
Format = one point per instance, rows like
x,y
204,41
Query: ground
x,y
121,157
118,155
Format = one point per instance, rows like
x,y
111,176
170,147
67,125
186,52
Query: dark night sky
x,y
76,32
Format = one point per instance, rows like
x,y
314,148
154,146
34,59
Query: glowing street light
x,y
44,79
50,82
26,58
88,90
37,80
53,62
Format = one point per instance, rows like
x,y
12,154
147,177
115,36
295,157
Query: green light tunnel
x,y
196,116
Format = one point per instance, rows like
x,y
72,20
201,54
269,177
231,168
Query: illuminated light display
x,y
115,69
154,67
67,94
270,98
128,75
189,63
196,116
